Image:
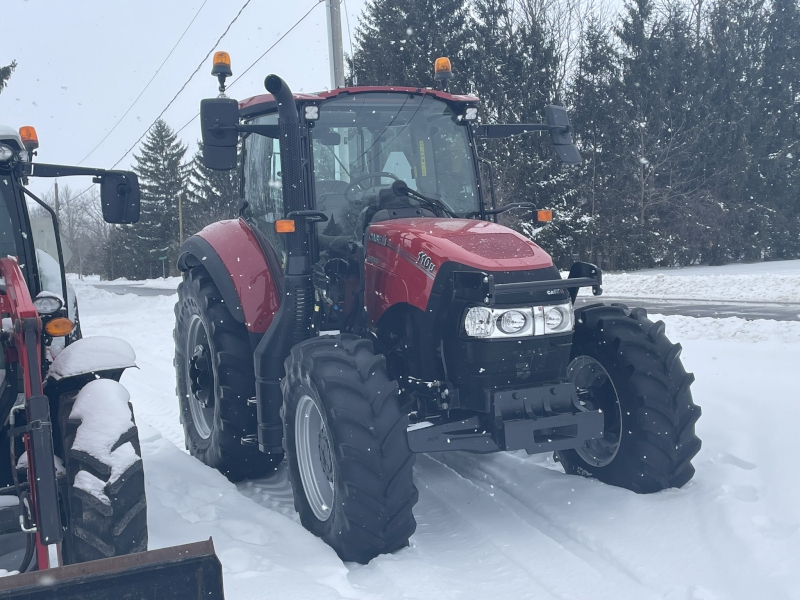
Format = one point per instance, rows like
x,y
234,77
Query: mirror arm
x,y
45,170
508,130
270,131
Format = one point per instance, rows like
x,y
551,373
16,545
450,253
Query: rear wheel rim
x,y
596,391
200,383
314,457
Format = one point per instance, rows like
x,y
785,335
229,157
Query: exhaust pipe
x,y
292,323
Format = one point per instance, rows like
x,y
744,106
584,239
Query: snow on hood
x,y
90,355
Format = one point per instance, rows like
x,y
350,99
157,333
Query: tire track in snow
x,y
518,532
504,488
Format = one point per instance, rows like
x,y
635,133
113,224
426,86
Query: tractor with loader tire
x,y
367,306
73,510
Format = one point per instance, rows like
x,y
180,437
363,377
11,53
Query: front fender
x,y
98,354
232,255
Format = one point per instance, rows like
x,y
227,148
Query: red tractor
x,y
73,510
367,306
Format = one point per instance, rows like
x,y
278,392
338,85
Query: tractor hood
x,y
428,243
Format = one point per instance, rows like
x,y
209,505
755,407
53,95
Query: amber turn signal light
x,y
284,226
29,138
542,216
59,327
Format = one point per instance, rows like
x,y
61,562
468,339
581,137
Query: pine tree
x,y
162,178
776,171
211,196
398,42
5,74
597,107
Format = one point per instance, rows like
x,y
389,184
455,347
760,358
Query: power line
x,y
292,28
183,87
252,64
146,86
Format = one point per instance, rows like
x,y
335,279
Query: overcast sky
x,y
81,64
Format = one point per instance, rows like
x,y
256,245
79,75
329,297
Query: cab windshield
x,y
362,143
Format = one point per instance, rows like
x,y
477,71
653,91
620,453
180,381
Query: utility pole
x,y
180,219
335,51
58,212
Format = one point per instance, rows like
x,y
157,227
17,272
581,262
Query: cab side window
x,y
263,190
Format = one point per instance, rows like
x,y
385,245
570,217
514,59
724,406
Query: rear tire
x,y
215,379
650,438
360,502
112,519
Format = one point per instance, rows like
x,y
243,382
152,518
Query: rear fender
x,y
231,254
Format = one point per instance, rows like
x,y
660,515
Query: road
x,y
674,306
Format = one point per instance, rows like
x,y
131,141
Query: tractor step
x,y
188,572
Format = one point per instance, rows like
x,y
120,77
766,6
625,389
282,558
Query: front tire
x,y
622,363
346,445
107,512
215,379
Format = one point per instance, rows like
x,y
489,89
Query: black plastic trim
x,y
197,252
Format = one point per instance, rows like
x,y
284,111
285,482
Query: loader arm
x,y
17,304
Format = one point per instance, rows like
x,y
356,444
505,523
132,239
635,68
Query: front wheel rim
x,y
596,391
200,383
314,457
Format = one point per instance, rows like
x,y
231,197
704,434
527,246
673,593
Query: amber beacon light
x,y
29,138
221,69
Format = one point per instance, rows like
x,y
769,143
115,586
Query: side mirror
x,y
558,121
218,120
119,196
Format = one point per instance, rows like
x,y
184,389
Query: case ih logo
x,y
425,261
378,239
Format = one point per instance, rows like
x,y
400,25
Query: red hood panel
x,y
403,257
478,244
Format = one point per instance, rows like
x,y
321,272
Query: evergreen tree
x,y
398,42
5,74
597,107
211,196
775,174
162,178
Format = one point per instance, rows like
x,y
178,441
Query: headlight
x,y
558,318
512,321
479,322
6,153
47,305
500,323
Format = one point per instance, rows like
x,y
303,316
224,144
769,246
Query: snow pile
x,y
732,328
91,355
760,282
102,407
508,525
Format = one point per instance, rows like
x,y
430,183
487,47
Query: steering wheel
x,y
357,181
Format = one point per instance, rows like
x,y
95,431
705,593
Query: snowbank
x,y
509,525
758,282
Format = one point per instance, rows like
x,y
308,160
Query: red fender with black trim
x,y
403,257
231,253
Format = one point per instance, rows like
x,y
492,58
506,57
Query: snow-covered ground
x,y
509,525
757,282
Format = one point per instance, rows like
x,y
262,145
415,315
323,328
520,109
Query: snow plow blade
x,y
187,572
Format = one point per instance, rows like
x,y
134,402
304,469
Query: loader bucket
x,y
188,572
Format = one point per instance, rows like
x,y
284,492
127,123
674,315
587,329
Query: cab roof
x,y
266,102
9,135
